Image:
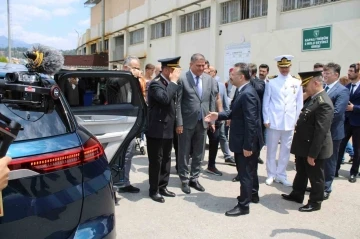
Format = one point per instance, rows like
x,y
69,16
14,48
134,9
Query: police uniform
x,y
282,103
160,133
312,138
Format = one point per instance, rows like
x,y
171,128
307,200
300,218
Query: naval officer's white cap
x,y
284,60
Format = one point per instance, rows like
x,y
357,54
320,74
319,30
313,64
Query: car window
x,y
38,124
90,91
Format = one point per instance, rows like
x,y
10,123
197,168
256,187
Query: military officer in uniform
x,y
160,133
282,103
312,142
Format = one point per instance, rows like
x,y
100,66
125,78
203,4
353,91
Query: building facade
x,y
226,31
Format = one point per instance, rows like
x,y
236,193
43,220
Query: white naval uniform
x,y
282,103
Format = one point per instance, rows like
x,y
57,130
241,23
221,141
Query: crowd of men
x,y
312,117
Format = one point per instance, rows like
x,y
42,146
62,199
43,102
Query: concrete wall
x,y
269,36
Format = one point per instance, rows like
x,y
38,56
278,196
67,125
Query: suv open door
x,y
110,105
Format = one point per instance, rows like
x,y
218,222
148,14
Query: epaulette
x,y
296,77
272,77
321,100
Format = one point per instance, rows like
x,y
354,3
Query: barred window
x,y
137,36
195,20
295,4
237,10
161,29
93,48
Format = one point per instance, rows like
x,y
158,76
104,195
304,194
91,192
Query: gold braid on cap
x,y
306,80
39,58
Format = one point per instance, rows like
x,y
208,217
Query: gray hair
x,y
128,60
196,57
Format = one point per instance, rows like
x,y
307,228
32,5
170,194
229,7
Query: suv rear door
x,y
111,106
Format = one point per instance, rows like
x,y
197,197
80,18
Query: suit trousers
x,y
354,132
128,159
214,139
191,139
249,182
315,174
330,166
159,154
273,137
175,145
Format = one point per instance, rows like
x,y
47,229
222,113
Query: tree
x,y
3,59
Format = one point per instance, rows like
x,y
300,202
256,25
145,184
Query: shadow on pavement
x,y
301,231
209,202
274,203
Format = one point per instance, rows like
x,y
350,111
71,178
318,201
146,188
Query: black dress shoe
x,y
310,207
336,175
260,161
326,195
196,185
230,161
185,188
165,192
237,211
157,197
291,198
352,179
236,179
308,189
129,189
255,198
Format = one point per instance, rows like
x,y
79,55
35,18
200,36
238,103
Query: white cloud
x,y
85,22
51,2
63,11
21,13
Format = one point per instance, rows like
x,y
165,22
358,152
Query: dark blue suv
x,y
66,157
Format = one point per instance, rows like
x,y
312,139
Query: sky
x,y
50,22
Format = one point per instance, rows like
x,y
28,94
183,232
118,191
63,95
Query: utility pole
x,y
9,30
102,49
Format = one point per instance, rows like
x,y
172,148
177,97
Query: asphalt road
x,y
201,214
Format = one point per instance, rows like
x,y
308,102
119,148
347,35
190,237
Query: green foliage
x,y
3,59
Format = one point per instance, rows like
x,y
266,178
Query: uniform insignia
x,y
296,77
321,100
272,77
157,79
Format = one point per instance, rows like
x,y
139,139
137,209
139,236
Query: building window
x,y
161,29
93,48
137,36
237,10
84,50
195,20
106,45
296,4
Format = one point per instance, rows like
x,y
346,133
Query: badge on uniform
x,y
294,87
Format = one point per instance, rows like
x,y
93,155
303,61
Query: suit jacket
x,y
223,96
259,86
190,103
339,96
283,101
312,135
245,126
353,117
161,116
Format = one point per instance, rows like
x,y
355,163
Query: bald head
x,y
212,71
157,69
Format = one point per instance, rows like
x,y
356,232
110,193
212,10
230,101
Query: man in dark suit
x,y
246,138
339,96
312,142
352,122
196,97
161,100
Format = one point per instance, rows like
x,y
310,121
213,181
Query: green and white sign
x,y
318,38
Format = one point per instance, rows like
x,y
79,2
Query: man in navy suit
x,y
352,122
339,96
246,138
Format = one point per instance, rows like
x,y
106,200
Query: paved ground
x,y
201,215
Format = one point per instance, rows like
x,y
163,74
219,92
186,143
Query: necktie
x,y
326,88
352,89
198,89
